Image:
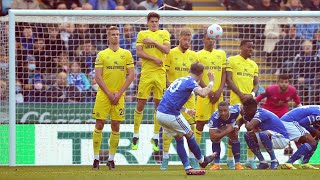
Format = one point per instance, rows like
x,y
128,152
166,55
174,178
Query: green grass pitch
x,y
146,172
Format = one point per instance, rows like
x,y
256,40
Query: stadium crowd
x,y
55,62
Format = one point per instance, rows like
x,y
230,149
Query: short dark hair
x,y
284,76
153,14
243,42
196,68
250,103
223,103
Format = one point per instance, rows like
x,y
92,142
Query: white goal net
x,y
53,120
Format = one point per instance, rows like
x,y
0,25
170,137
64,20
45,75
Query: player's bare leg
x,y
97,139
138,115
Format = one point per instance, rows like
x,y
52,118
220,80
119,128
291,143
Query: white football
x,y
214,31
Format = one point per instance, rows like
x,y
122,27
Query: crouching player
x,y
269,132
223,123
302,124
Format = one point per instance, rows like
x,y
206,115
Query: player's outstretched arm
x,y
203,92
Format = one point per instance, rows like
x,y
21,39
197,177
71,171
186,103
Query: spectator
x,y
307,64
293,5
53,41
81,33
87,6
286,50
63,62
40,54
316,43
77,78
178,4
315,5
307,31
243,5
62,92
103,4
4,66
25,4
87,54
73,4
90,94
61,5
27,38
19,91
47,4
3,90
150,4
128,40
272,33
66,32
130,4
5,6
266,5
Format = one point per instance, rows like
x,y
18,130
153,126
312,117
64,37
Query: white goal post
x,y
190,19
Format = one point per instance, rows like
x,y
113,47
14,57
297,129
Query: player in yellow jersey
x,y
114,72
178,63
152,46
243,81
215,61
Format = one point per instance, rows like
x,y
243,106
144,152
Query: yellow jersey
x,y
214,61
162,37
115,65
178,63
243,73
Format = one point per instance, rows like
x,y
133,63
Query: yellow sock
x,y
137,118
114,141
230,154
197,135
96,138
157,126
250,154
166,142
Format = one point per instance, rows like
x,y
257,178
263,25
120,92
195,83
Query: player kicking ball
x,y
265,130
223,123
174,124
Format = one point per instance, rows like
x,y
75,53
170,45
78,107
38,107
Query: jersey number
x,y
175,86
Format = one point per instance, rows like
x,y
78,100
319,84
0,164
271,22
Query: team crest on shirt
x,y
218,57
183,64
245,70
213,63
122,56
97,114
160,35
191,59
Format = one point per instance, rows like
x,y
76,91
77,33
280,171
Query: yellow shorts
x,y
103,107
190,104
205,109
152,81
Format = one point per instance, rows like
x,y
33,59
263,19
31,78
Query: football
x,y
214,31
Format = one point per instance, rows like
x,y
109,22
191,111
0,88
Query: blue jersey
x,y
306,116
269,121
177,95
215,122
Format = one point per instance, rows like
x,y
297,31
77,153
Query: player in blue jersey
x,y
223,123
301,124
174,124
265,130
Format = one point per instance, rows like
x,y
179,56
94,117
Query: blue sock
x,y
307,157
236,151
254,146
182,153
216,148
303,150
194,147
265,140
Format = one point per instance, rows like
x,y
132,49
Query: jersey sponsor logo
x,y
218,68
122,56
149,46
245,74
182,68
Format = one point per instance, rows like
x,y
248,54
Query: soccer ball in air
x,y
214,31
